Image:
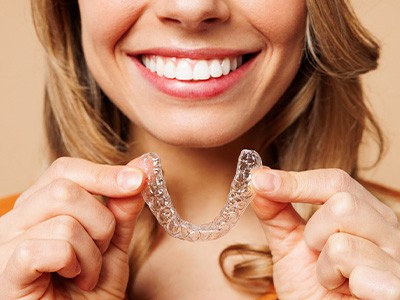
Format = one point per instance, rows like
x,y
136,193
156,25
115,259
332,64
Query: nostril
x,y
211,20
200,24
171,21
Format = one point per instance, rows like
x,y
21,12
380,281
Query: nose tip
x,y
193,14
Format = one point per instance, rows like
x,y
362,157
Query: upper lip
x,y
202,53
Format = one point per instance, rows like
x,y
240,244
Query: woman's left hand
x,y
349,247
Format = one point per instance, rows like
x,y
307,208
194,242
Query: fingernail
x,y
129,179
265,182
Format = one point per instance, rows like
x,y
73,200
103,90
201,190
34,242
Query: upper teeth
x,y
190,69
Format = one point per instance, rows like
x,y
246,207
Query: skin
x,y
73,235
136,26
350,246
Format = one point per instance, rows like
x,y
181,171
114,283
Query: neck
x,y
198,179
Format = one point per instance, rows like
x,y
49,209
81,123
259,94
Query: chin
x,y
196,140
193,132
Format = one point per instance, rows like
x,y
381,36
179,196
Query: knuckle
x,y
65,227
340,180
24,254
60,165
64,190
338,246
341,205
295,189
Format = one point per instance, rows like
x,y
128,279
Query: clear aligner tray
x,y
157,198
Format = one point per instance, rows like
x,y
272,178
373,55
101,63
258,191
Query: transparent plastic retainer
x,y
157,198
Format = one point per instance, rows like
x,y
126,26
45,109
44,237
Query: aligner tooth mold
x,y
156,196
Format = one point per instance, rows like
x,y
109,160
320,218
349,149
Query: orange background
x,y
22,149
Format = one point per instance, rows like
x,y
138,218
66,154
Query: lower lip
x,y
194,89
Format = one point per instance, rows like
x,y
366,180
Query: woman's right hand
x,y
61,242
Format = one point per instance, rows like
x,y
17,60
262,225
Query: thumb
x,y
282,225
126,210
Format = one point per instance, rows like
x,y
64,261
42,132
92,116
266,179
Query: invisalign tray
x,y
157,198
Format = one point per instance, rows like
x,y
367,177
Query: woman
x,y
196,82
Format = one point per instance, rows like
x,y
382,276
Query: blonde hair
x,y
319,122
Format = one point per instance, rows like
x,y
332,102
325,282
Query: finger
x,y
68,229
280,223
315,187
65,197
279,220
344,212
275,190
61,197
343,253
111,181
26,271
370,283
126,212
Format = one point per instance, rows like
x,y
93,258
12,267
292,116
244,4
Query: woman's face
x,y
195,73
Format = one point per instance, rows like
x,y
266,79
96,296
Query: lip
x,y
192,90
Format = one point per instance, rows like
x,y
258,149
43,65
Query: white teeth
x,y
215,69
153,65
145,61
169,69
184,70
201,71
226,66
190,69
160,66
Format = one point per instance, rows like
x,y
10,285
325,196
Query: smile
x,y
191,69
194,74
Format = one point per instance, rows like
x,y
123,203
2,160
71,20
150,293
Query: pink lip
x,y
192,90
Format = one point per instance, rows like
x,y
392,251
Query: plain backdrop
x,y
22,147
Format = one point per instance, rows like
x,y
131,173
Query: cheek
x,y
105,22
279,21
104,25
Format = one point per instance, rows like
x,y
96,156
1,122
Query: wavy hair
x,y
319,122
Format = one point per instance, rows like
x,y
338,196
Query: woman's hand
x,y
350,246
60,242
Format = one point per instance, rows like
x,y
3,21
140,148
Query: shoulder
x,y
7,203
